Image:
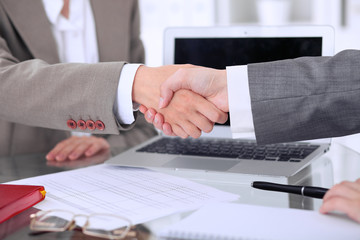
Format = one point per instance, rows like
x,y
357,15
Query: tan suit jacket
x,y
39,94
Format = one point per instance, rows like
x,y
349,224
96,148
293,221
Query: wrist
x,y
137,89
221,77
146,87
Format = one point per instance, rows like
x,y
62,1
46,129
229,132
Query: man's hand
x,y
208,82
188,115
343,197
75,147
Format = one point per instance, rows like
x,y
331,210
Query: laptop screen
x,y
221,52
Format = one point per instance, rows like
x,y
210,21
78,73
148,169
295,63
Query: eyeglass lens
x,y
100,225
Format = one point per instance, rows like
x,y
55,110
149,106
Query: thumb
x,y
168,87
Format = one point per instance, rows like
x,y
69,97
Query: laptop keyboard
x,y
231,148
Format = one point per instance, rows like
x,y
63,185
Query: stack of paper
x,y
136,193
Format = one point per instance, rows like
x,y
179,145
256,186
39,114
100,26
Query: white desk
x,y
339,164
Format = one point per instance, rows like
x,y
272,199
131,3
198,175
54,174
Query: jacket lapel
x,y
107,14
31,22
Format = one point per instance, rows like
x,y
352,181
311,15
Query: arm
x,y
306,98
75,147
39,94
48,95
299,99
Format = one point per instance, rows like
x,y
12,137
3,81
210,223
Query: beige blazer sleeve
x,y
38,94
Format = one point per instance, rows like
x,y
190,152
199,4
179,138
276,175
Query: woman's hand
x,y
75,147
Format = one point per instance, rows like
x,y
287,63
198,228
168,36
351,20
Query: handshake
x,y
182,100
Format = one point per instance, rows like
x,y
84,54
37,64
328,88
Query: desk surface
x,y
339,164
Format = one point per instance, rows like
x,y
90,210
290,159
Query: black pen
x,y
315,192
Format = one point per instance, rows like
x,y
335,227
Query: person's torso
x,y
113,27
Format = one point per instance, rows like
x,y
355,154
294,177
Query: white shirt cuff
x,y
123,106
239,102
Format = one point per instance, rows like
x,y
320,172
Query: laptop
x,y
218,47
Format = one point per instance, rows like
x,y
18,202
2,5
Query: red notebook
x,y
16,198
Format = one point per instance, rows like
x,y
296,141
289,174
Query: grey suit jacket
x,y
38,94
306,98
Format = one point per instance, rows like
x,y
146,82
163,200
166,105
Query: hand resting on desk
x,y
75,147
83,161
343,197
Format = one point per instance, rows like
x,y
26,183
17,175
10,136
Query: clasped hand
x,y
196,110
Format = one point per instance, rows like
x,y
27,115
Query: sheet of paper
x,y
240,221
136,193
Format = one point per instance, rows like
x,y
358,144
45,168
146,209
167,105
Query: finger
x,y
202,123
344,189
206,114
66,151
213,114
149,115
351,208
353,185
100,145
167,129
210,111
171,85
159,121
79,150
191,129
142,109
178,131
51,156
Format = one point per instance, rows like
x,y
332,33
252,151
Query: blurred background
x,y
342,15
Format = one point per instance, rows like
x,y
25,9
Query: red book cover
x,y
16,198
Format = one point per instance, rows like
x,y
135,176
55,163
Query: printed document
x,y
137,193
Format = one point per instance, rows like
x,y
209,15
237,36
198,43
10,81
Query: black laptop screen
x,y
221,52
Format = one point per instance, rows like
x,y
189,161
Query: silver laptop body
x,y
205,46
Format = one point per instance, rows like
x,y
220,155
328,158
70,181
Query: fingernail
x,y
50,156
156,120
60,157
161,102
148,114
74,155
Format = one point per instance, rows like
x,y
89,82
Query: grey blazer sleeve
x,y
306,98
38,94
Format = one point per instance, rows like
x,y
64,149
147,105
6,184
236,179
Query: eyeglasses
x,y
99,225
